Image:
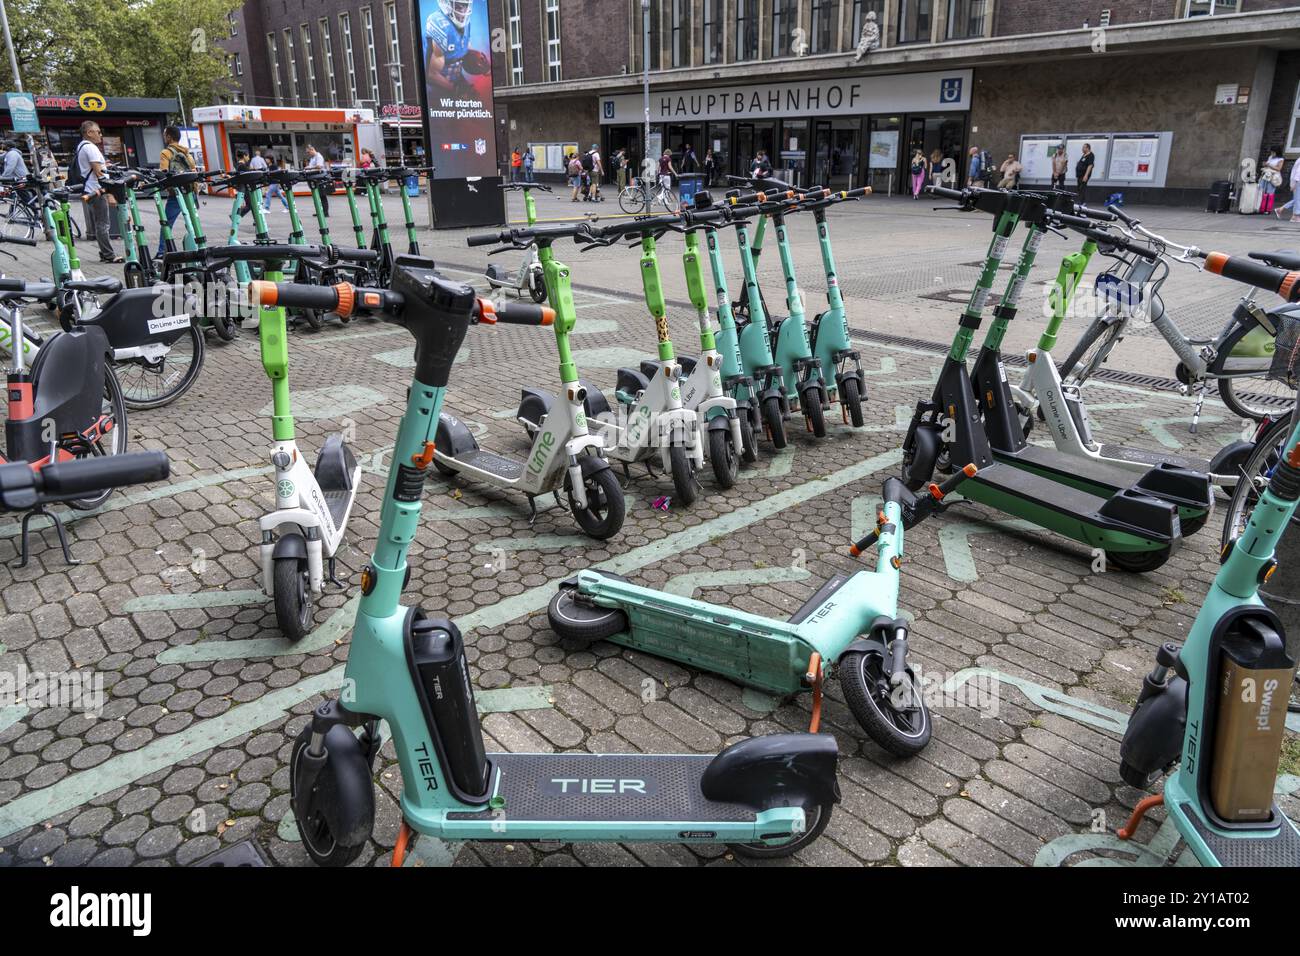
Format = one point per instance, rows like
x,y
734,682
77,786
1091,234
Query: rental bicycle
x,y
640,197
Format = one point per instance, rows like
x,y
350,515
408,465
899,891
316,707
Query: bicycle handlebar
x,y
1284,283
21,487
1122,216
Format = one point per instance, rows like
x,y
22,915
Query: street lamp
x,y
645,85
395,74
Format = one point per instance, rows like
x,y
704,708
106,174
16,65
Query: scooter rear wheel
x,y
292,597
774,422
816,817
578,621
722,456
1138,562
903,733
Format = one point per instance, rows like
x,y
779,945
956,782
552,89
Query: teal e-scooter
x,y
851,626
767,796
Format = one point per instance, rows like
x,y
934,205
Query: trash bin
x,y
413,184
688,185
1220,199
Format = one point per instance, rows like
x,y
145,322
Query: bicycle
x,y
22,217
1237,359
639,198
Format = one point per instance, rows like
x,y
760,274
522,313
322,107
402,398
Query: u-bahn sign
x,y
841,96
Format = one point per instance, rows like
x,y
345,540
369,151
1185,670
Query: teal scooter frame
x,y
851,624
769,795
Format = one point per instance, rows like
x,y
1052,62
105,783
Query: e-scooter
x,y
528,278
1216,705
564,454
769,796
1136,531
851,625
650,420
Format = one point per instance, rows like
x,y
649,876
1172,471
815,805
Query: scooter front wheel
x,y
851,400
774,421
895,717
748,447
1139,562
577,621
537,287
684,484
335,814
813,412
603,516
816,817
292,597
722,456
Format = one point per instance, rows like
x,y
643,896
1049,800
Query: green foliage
x,y
122,47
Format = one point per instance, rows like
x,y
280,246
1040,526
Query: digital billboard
x,y
456,68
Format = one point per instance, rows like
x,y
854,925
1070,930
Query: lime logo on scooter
x,y
636,428
538,462
284,488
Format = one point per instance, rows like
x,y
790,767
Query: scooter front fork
x,y
576,483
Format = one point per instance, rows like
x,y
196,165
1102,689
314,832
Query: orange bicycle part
x,y
403,842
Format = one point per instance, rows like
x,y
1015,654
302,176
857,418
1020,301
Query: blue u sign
x,y
950,89
608,107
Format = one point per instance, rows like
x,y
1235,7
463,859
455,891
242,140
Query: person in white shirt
x,y
1295,193
90,163
316,161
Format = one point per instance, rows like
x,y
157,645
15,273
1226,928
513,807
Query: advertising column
x,y
456,101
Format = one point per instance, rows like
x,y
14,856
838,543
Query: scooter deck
x,y
498,465
1282,848
604,788
1140,456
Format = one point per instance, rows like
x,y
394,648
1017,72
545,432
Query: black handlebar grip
x,y
1122,216
350,254
84,475
1284,283
20,240
1103,215
956,195
488,238
12,285
515,313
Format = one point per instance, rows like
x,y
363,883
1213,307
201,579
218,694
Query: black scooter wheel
x,y
537,288
895,718
603,516
292,597
813,412
723,458
852,401
684,483
578,621
343,791
774,421
1138,562
748,447
816,817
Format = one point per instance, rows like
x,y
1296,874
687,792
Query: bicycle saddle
x,y
1281,258
107,285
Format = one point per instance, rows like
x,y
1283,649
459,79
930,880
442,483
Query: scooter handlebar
x,y
21,487
1284,283
20,240
915,508
255,252
343,299
513,313
956,195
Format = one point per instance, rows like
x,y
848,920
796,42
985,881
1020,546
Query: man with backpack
x,y
85,169
595,170
175,158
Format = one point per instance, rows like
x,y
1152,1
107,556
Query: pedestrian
x,y
919,167
516,165
710,167
14,166
1083,173
575,175
1010,170
666,169
936,167
1270,177
975,168
690,163
316,161
1060,166
89,164
368,158
528,161
1295,193
761,167
621,164
597,173
275,190
175,158
258,162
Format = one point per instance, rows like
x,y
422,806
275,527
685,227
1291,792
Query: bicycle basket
x,y
1286,360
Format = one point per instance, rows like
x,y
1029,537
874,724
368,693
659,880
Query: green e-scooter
x,y
1216,705
768,796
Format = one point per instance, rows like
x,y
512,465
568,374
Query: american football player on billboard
x,y
452,66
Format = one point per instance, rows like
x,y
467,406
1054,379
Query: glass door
x,y
750,138
719,140
837,153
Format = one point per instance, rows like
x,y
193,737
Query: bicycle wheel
x,y
1255,474
114,443
20,224
1092,350
631,199
153,383
1255,396
668,198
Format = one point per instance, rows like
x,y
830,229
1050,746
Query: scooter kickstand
x,y
1146,803
330,574
1196,412
26,537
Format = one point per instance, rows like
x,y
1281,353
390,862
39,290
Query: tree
x,y
123,47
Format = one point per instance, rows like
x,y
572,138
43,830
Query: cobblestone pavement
x,y
1042,658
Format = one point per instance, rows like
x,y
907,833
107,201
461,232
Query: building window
x,y
860,10
327,43
746,29
305,30
825,14
914,21
553,40
394,54
712,31
965,19
1293,138
234,23
274,55
239,65
784,21
653,16
1210,8
349,58
515,28
372,63
681,52
291,64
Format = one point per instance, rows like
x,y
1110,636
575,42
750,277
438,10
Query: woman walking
x,y
1270,178
920,169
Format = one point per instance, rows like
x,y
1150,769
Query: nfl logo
x,y
480,146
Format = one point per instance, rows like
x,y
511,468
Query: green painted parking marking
x,y
335,628
888,366
405,358
542,542
594,326
781,464
954,542
1048,699
10,715
363,335
1156,426
199,599
902,421
334,401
